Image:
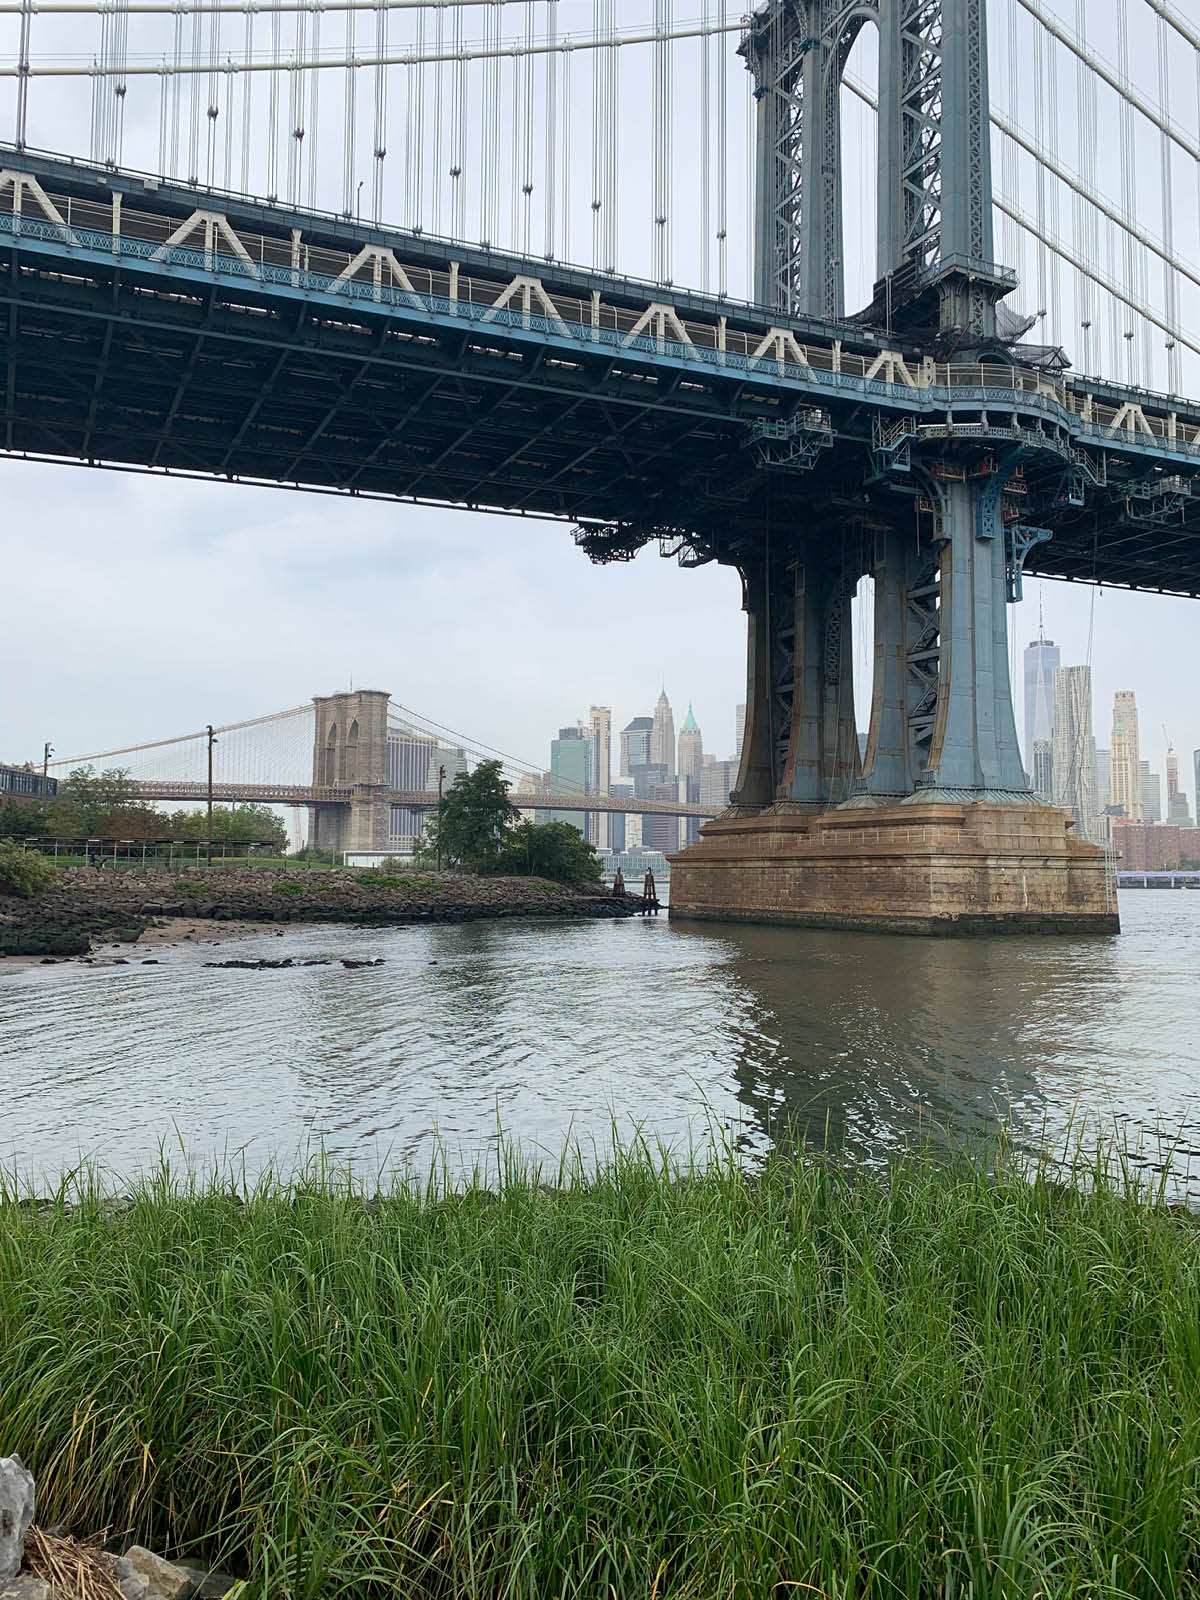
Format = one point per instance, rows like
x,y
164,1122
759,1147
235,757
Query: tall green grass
x,y
945,1380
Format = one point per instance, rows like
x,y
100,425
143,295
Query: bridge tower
x,y
350,752
958,835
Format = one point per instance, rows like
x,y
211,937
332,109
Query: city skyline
x,y
242,603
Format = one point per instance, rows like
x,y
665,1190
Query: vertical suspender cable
x,y
163,86
1041,44
597,131
550,129
748,219
229,82
1085,217
705,149
1170,279
490,130
1009,161
459,132
613,142
23,73
213,109
176,91
1051,86
379,143
349,116
514,161
297,83
1125,110
527,132
247,99
314,142
658,138
120,59
417,154
566,158
273,116
194,100
723,154
439,100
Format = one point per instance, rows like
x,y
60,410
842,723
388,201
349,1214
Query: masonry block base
x,y
944,868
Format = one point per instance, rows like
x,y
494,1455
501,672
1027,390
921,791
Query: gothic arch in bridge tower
x,y
350,755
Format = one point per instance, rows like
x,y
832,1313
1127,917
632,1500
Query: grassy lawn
x,y
944,1381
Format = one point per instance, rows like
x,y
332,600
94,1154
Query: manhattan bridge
x,y
941,318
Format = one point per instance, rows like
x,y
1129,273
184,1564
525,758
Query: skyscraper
x,y
662,734
1103,782
1042,660
691,747
739,730
1073,745
571,771
1124,776
1177,801
635,744
600,721
1149,793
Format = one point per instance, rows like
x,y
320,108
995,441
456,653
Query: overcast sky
x,y
138,607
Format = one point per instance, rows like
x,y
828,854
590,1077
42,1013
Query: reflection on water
x,y
550,1032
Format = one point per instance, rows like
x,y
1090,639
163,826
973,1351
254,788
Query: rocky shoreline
x,y
96,906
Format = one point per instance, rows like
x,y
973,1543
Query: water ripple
x,y
552,1032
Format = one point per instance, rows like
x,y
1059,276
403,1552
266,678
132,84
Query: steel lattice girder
x,y
140,361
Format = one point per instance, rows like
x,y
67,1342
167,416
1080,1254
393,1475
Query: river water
x,y
554,1032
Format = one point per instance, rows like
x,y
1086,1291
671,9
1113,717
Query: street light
x,y
441,781
212,739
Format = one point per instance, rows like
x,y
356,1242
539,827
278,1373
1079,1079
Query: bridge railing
x,y
375,274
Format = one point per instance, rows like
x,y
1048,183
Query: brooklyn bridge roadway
x,y
285,794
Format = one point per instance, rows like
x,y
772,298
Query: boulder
x,y
16,1513
207,1584
25,1587
162,1577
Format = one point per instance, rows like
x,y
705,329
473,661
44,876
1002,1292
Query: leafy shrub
x,y
287,886
185,886
24,872
380,880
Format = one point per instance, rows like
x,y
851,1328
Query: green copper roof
x,y
690,725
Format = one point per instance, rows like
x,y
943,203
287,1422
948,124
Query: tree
x,y
89,800
471,820
555,850
244,824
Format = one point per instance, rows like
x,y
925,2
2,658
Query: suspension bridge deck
x,y
161,326
294,794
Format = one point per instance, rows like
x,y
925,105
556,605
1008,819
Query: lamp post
x,y
212,739
441,782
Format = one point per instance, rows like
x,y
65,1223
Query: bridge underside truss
x,y
227,353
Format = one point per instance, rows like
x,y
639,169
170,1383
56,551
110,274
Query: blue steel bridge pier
x,y
937,830
154,324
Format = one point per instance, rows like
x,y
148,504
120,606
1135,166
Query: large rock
x,y
26,1587
16,1513
163,1577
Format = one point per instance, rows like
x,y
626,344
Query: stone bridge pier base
x,y
939,832
350,751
